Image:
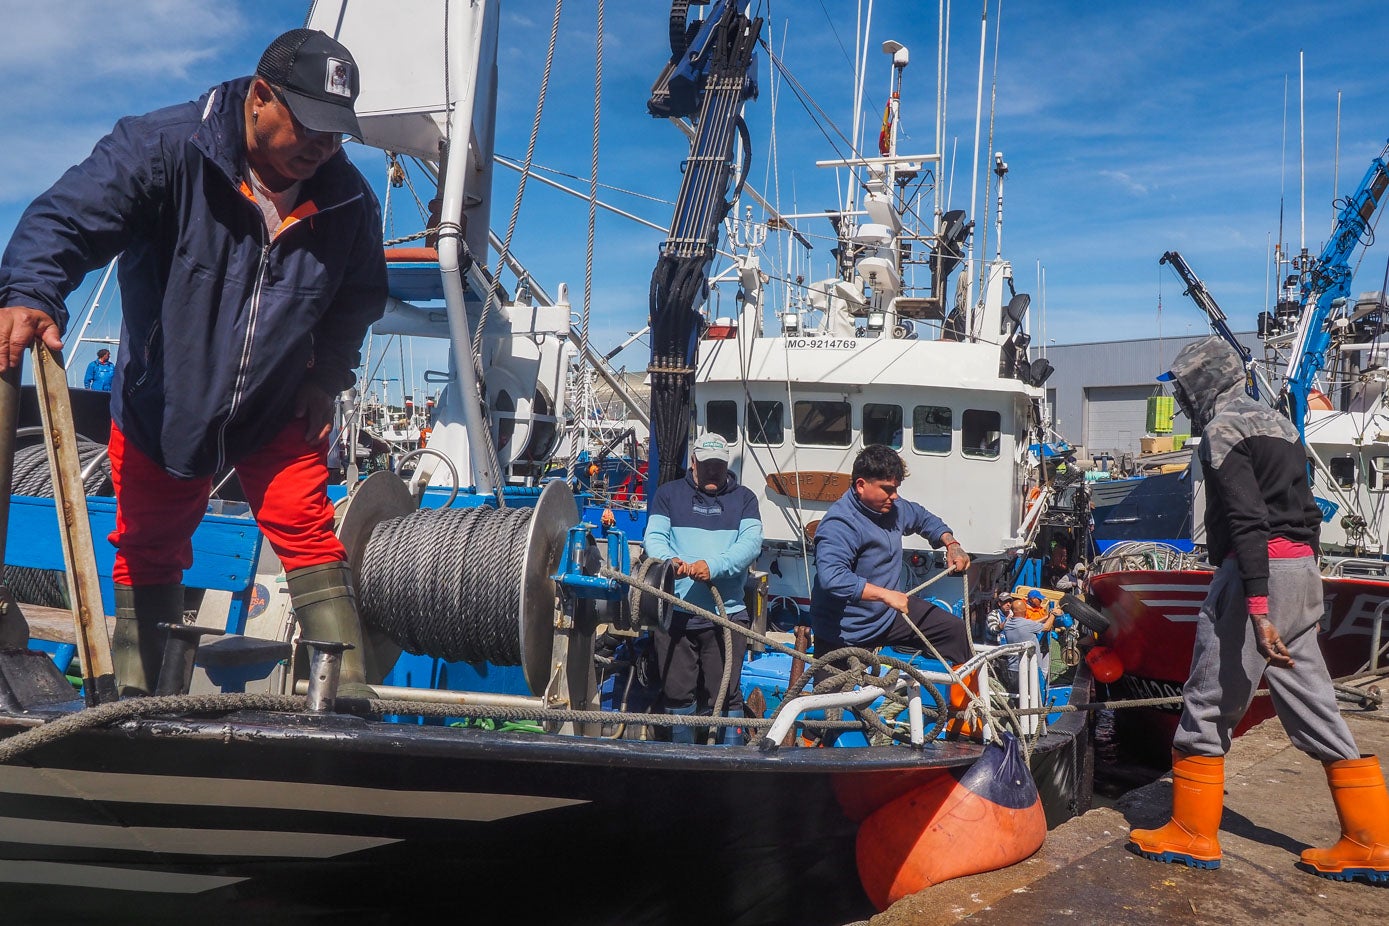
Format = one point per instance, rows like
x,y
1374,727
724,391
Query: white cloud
x,y
1125,181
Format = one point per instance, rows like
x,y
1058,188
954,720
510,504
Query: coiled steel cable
x,y
447,582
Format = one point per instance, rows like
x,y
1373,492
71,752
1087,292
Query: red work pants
x,y
156,513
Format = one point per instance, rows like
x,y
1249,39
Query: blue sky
x,y
1129,128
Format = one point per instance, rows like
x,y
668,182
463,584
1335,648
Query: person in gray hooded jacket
x,y
1259,621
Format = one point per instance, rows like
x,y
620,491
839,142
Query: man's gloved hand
x,y
1267,638
316,408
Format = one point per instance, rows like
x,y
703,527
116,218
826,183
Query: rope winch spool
x,y
643,609
462,584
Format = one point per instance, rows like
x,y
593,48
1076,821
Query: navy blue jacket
x,y
222,324
723,529
854,546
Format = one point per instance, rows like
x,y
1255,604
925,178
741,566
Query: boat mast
x,y
976,270
91,312
941,79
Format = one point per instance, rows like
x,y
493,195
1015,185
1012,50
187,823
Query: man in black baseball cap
x,y
251,268
317,78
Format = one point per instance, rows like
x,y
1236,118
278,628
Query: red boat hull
x,y
1152,629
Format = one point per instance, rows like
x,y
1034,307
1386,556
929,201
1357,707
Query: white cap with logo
x,y
709,446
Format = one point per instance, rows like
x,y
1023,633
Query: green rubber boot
x,y
326,607
137,647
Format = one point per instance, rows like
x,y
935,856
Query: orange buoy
x,y
1104,664
861,793
960,823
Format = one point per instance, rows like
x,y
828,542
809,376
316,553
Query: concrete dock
x,y
1276,805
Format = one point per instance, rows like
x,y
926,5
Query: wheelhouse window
x,y
1379,474
931,426
1342,471
721,417
766,422
823,423
980,432
882,424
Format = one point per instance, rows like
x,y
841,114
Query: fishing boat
x,y
501,770
1151,594
883,352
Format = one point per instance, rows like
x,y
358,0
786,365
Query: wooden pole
x,y
70,501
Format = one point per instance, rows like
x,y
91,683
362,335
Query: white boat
x,y
882,353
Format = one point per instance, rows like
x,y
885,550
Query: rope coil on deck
x,y
447,582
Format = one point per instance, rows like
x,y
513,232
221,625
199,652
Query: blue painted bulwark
x,y
225,548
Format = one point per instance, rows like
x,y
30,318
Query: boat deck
x,y
1276,805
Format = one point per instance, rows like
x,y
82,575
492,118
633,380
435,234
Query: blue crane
x,y
1326,288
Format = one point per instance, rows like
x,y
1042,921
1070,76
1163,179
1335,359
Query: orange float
x,y
960,823
1104,664
862,793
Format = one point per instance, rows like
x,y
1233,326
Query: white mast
x,y
974,269
1302,155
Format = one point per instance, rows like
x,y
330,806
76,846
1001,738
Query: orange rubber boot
x,y
1198,798
1357,787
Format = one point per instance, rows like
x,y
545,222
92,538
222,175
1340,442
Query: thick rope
x,y
727,676
184,705
106,714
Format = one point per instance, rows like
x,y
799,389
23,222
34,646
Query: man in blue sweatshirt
x,y
858,566
708,527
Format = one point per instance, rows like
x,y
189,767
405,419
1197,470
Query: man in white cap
x,y
708,527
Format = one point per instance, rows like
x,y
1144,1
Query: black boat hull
x,y
305,819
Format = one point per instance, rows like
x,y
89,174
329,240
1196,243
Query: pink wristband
x,y
1257,604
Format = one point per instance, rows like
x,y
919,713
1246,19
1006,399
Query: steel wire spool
x,y
48,587
469,584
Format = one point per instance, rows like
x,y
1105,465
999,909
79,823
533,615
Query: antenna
x,y
1336,168
1001,170
1282,191
1302,154
977,267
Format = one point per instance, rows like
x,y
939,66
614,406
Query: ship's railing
x,y
1029,694
1339,566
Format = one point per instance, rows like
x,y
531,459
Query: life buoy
x,y
1033,494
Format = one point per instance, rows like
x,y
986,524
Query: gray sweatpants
x,y
1226,666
